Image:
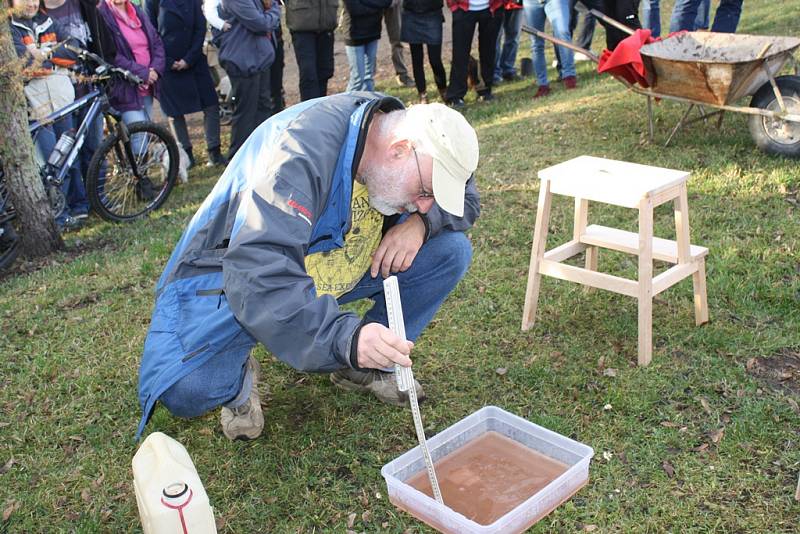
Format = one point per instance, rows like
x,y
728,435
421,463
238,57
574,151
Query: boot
x,y
215,157
443,93
423,98
190,153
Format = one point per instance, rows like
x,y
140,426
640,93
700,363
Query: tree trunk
x,y
35,220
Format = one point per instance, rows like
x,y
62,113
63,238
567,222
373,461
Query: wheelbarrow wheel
x,y
773,135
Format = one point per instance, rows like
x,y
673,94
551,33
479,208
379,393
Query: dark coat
x,y
125,96
311,15
102,41
182,28
361,20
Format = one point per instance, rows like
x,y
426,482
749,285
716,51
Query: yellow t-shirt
x,y
337,271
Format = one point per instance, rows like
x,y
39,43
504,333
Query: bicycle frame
x,y
97,104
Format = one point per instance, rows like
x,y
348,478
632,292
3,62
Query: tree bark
x,y
35,220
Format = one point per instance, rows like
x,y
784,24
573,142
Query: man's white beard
x,y
385,191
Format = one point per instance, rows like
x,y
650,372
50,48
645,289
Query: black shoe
x,y
144,189
456,103
512,77
486,97
404,81
215,158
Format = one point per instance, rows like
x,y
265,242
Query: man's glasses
x,y
422,192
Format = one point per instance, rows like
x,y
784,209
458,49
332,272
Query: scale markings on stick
x,y
405,377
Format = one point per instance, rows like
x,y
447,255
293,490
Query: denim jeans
x,y
138,115
685,14
507,53
362,66
557,12
72,187
225,380
651,17
703,20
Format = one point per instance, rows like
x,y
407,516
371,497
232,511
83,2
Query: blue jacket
x,y
237,275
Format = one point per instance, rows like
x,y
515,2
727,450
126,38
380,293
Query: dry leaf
x,y
610,372
792,403
86,496
607,407
97,483
705,405
716,436
669,424
589,528
501,371
601,363
668,469
12,506
351,520
366,516
220,522
750,364
701,448
7,466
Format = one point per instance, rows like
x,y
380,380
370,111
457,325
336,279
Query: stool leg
x,y
537,253
700,298
645,281
579,227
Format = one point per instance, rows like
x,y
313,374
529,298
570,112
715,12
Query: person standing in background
x,y
361,27
187,84
391,18
506,55
311,24
651,17
557,12
247,52
685,16
422,25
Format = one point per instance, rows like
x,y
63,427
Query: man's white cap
x,y
453,144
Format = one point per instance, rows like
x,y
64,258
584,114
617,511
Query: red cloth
x,y
626,60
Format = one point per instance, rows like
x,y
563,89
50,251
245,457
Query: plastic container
x,y
489,418
169,494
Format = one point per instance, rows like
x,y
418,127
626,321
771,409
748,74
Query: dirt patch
x,y
779,371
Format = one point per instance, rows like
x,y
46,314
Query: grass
x,y
72,334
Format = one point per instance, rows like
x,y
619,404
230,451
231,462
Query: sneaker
x,y
543,90
486,97
381,384
246,421
404,81
80,216
456,103
579,56
570,82
68,223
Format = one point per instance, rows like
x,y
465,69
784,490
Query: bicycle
x,y
133,170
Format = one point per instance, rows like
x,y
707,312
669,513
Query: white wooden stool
x,y
632,186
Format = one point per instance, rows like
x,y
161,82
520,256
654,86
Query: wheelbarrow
x,y
716,70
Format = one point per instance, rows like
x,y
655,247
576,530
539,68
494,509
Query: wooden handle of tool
x,y
764,50
560,42
612,22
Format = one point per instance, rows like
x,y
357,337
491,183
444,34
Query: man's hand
x,y
226,26
152,77
180,65
379,348
398,247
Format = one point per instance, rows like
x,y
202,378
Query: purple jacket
x,y
122,95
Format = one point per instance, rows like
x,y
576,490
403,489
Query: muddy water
x,y
489,476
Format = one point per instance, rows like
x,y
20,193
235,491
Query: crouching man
x,y
321,203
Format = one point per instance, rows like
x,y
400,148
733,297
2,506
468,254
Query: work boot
x,y
246,421
381,384
404,80
215,158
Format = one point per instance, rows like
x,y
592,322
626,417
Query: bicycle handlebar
x,y
86,55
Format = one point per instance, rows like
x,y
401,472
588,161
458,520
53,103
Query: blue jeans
x,y
726,19
557,12
703,20
138,115
651,17
362,66
224,380
72,187
507,53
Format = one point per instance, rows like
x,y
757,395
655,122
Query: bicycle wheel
x,y
115,192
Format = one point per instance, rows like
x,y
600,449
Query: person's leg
x,y
463,25
684,13
512,25
181,133
488,26
325,41
535,16
355,58
651,17
437,268
264,110
244,94
703,20
557,12
276,76
625,12
370,60
726,19
583,29
418,66
392,18
223,380
211,130
498,51
305,53
73,186
439,75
